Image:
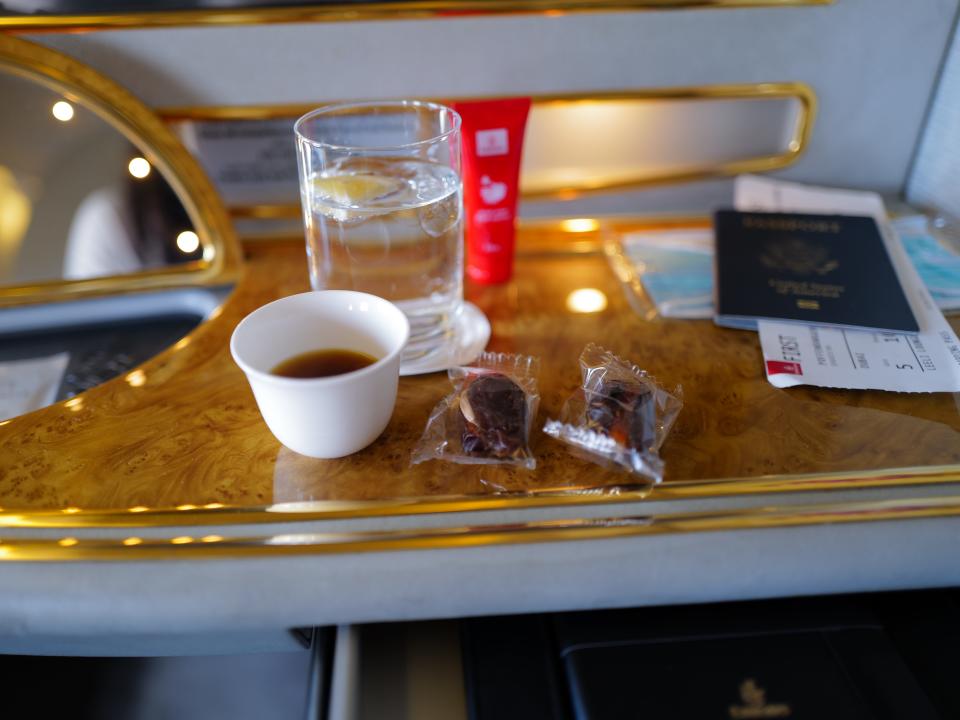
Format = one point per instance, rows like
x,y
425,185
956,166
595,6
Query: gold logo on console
x,y
798,256
754,706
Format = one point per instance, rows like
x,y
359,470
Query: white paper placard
x,y
27,385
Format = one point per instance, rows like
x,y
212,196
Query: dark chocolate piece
x,y
624,411
494,410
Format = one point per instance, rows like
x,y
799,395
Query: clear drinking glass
x,y
382,206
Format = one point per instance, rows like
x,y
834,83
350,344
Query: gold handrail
x,y
795,147
201,546
347,12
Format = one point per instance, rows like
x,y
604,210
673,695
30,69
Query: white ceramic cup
x,y
326,417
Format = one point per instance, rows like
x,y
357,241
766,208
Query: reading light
x,y
75,404
579,225
188,241
139,168
62,111
15,212
586,300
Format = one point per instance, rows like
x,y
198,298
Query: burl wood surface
x,y
184,428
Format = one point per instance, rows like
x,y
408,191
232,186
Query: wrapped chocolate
x,y
488,416
619,416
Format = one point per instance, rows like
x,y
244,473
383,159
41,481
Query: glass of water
x,y
382,206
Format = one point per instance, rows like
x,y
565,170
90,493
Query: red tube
x,y
492,137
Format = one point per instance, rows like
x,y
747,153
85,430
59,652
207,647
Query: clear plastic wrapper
x,y
487,418
619,417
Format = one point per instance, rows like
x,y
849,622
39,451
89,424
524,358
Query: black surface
x,y
814,658
796,674
881,657
255,686
99,352
78,688
926,630
511,669
727,619
760,254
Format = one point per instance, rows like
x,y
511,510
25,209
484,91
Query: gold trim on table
x,y
346,12
795,147
222,514
212,546
129,116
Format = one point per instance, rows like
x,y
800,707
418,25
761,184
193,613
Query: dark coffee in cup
x,y
323,363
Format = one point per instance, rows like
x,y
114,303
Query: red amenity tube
x,y
492,138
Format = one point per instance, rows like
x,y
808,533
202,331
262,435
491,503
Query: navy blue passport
x,y
815,269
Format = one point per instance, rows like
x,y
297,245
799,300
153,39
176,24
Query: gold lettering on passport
x,y
756,222
799,257
805,289
753,704
808,304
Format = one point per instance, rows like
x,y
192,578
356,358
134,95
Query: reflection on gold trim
x,y
481,535
266,212
218,514
586,300
795,146
62,111
144,129
344,12
579,225
538,243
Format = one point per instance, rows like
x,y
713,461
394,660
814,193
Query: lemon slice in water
x,y
354,190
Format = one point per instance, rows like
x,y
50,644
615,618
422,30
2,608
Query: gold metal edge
x,y
187,547
796,145
594,240
347,12
142,127
790,89
190,515
266,212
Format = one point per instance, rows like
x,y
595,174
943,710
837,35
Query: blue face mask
x,y
677,276
938,266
